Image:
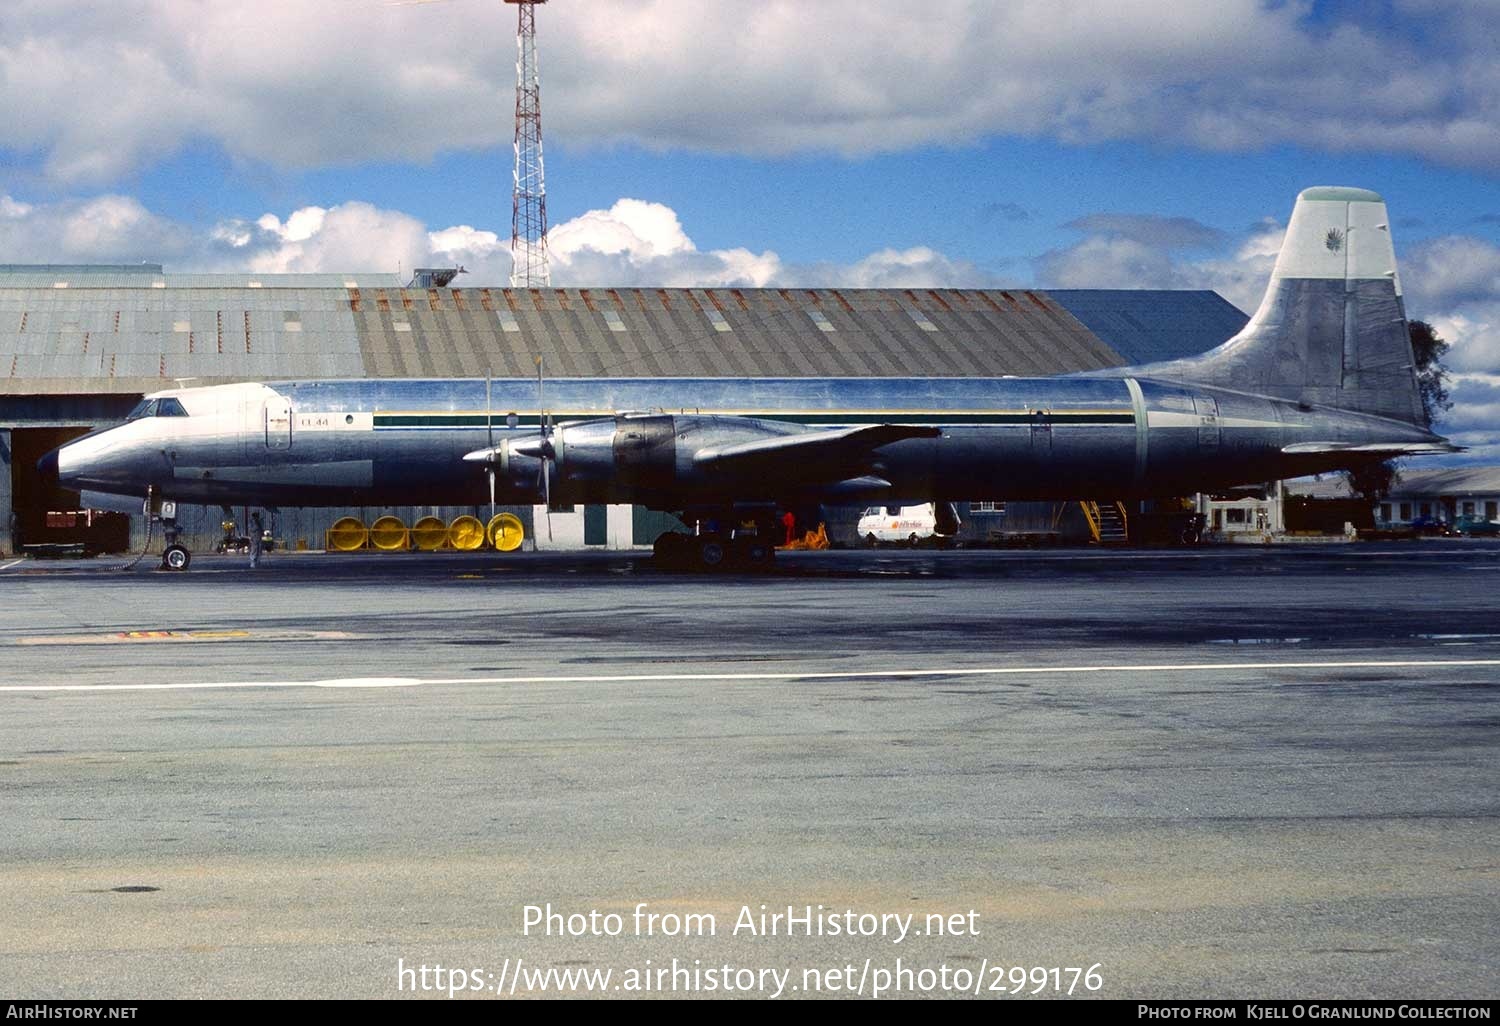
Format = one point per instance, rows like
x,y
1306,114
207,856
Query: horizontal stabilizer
x,y
797,453
1372,448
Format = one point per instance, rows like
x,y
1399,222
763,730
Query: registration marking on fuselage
x,y
778,675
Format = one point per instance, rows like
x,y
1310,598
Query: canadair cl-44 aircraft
x,y
1322,378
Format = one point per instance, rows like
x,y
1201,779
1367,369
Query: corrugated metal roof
x,y
1447,481
1412,483
1147,325
719,332
134,337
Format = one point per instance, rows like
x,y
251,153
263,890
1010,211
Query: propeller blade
x,y
547,495
492,491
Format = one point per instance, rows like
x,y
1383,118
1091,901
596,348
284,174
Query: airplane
x,y
1322,378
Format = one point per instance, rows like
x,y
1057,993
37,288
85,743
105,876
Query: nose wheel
x,y
175,557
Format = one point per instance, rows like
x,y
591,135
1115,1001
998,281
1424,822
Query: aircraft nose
x,y
47,467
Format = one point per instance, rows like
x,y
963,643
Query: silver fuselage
x,y
380,442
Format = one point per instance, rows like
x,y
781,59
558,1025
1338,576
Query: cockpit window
x,y
167,407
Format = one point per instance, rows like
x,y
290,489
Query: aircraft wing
x,y
1372,448
810,454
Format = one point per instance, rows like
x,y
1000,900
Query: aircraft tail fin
x,y
1331,329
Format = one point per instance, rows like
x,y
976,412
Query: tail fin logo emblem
x,y
1334,240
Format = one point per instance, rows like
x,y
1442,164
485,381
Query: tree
x,y
1374,481
1427,350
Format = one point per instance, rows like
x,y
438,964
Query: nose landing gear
x,y
175,557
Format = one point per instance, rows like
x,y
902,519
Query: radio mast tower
x,y
528,223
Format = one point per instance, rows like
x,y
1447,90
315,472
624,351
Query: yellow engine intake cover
x,y
388,534
466,533
429,533
506,532
347,534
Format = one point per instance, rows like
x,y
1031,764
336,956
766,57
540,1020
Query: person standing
x,y
256,539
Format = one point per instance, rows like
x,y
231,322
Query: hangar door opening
x,y
47,515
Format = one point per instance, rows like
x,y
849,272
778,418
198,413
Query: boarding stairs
x,y
1108,524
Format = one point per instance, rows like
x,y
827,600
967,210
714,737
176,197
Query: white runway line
x,y
7,566
775,675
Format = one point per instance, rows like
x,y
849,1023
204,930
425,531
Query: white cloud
x,y
636,228
633,243
1148,255
108,229
918,267
302,85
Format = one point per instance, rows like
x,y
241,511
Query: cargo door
x,y
1041,434
1208,423
278,422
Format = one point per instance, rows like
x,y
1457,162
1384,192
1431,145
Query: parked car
x,y
1476,527
1431,526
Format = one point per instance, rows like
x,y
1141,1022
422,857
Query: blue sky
x,y
1058,143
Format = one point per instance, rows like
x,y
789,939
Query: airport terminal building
x,y
80,345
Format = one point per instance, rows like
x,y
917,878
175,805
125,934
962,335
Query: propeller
x,y
545,452
489,428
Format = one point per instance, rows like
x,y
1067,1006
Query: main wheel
x,y
712,552
871,541
756,553
176,557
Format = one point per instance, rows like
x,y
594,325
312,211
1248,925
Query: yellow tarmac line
x,y
181,637
778,675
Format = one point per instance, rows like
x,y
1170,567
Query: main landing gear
x,y
718,550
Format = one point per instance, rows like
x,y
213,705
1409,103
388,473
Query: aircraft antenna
x,y
528,224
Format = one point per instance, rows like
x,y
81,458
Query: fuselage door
x,y
278,420
1207,409
1041,433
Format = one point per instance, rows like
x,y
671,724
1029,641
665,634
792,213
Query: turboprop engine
x,y
629,456
634,456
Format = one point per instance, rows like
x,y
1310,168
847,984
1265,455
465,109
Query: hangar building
x,y
79,345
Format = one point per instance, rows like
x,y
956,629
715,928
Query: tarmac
x,y
1236,773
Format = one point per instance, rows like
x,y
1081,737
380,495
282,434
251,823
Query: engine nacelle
x,y
629,457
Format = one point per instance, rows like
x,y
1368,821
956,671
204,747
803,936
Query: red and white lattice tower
x,y
528,224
